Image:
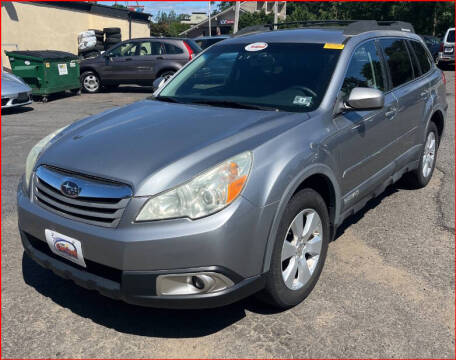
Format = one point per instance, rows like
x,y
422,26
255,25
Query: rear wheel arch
x,y
438,119
318,177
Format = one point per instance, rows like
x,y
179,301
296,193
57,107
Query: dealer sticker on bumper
x,y
65,246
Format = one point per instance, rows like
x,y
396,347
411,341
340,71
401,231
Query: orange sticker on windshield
x,y
333,46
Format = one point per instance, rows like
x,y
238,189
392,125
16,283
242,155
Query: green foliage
x,y
167,24
431,18
257,18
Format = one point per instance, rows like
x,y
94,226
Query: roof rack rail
x,y
352,27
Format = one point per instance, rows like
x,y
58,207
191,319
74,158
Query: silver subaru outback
x,y
234,176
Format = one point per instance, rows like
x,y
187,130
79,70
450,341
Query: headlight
x,y
35,153
204,195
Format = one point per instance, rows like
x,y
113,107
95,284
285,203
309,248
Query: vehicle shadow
x,y
133,319
16,110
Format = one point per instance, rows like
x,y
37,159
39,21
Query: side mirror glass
x,y
365,99
158,82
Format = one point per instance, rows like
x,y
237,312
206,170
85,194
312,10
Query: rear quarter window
x,y
171,49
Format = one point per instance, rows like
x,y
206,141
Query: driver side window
x,y
365,69
127,49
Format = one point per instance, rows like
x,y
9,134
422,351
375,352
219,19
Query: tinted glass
x,y
173,49
422,56
364,70
288,77
450,37
398,60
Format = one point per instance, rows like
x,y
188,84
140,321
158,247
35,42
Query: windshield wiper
x,y
167,99
233,104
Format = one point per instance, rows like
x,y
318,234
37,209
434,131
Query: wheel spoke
x,y
312,224
313,247
303,271
297,226
288,250
290,272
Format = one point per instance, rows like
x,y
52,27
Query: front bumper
x,y
124,262
14,100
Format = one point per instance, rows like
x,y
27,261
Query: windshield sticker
x,y
303,100
256,46
333,46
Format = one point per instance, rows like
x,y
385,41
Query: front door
x,y
362,144
118,63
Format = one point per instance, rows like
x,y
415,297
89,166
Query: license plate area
x,y
449,50
65,246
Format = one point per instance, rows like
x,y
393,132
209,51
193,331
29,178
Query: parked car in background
x,y
433,44
226,183
205,41
446,52
136,61
15,92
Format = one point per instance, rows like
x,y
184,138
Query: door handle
x,y
391,113
128,59
160,58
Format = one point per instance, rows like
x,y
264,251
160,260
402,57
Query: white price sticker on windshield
x,y
256,46
302,100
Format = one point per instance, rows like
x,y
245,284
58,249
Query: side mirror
x,y
158,82
365,99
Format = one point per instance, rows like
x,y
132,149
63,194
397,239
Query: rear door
x,y
175,53
146,60
411,93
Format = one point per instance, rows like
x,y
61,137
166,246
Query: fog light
x,y
192,283
197,282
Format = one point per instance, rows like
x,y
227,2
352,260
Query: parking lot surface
x,y
387,289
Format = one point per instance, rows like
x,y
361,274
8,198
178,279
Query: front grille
x,y
103,271
101,202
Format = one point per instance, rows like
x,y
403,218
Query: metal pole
x,y
237,6
210,26
275,9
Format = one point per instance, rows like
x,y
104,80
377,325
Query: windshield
x,y
278,76
450,37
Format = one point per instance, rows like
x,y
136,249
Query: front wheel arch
x,y
303,179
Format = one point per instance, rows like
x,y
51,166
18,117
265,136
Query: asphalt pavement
x,y
387,289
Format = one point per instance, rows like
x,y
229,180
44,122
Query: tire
x,y
100,38
114,36
99,47
112,30
90,82
421,176
91,54
167,74
310,253
111,42
97,32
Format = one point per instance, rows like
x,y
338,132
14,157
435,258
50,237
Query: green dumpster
x,y
46,71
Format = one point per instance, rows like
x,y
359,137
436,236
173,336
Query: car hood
x,y
153,145
12,84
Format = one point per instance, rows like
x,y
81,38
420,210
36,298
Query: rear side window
x,y
173,49
450,37
398,60
422,56
365,69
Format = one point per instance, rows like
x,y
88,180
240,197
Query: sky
x,y
180,7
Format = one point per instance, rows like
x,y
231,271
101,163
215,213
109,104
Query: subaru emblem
x,y
70,189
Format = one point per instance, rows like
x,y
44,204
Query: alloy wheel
x,y
91,83
429,155
301,249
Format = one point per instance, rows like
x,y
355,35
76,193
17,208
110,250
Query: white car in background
x,y
15,92
446,52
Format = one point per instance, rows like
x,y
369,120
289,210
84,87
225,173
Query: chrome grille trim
x,y
100,203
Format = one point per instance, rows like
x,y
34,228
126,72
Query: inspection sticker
x,y
256,46
333,46
302,100
63,70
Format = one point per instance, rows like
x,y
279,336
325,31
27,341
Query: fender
x,y
313,169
